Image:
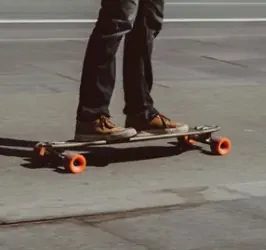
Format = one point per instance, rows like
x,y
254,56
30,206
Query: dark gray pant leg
x,y
116,18
138,74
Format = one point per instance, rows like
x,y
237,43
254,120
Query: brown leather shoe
x,y
158,125
101,129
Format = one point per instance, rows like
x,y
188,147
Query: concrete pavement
x,y
210,79
227,225
205,73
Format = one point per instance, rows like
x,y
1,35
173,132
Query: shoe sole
x,y
124,134
181,129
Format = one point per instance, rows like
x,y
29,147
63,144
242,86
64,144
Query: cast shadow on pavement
x,y
16,147
94,155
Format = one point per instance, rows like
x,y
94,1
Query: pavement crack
x,y
103,217
251,69
225,61
162,85
54,73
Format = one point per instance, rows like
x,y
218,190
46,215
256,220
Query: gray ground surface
x,y
29,9
205,73
227,225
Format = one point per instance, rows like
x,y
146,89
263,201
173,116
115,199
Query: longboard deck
x,y
141,137
76,163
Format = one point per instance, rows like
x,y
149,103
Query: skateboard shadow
x,y
10,147
104,156
12,142
96,156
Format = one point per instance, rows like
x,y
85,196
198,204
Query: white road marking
x,y
166,20
61,39
45,39
45,21
217,3
208,20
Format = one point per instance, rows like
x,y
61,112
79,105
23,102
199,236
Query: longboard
x,y
76,163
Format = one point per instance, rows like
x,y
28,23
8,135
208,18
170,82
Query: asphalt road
x,y
29,9
206,73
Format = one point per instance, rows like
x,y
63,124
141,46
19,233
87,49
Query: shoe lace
x,y
164,119
105,121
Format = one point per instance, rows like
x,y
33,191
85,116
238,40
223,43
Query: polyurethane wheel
x,y
75,163
220,146
39,151
186,141
39,155
189,141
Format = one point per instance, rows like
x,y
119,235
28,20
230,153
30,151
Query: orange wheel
x,y
220,146
39,155
190,141
39,151
75,164
187,141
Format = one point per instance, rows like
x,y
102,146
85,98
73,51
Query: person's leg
x,y
137,67
116,18
138,74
